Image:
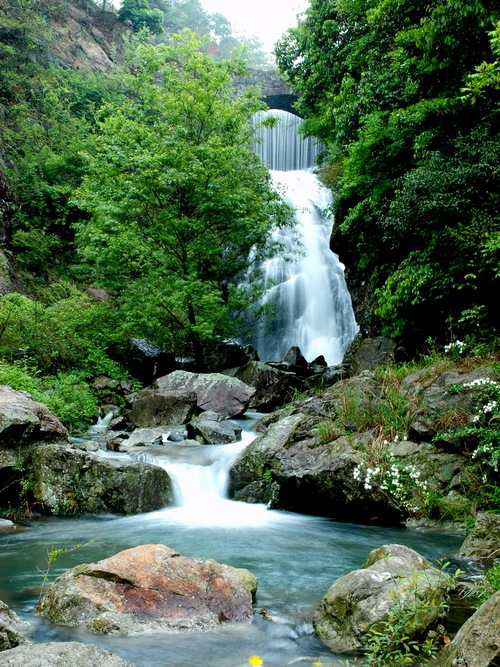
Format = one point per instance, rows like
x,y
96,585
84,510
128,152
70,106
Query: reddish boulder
x,y
150,589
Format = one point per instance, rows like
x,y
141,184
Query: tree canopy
x,y
405,94
180,206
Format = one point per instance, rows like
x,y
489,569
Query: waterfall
x,y
200,480
308,295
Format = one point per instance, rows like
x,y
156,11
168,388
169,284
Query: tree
x,y
141,16
405,96
181,207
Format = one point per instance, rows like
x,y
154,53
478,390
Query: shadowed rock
x,y
11,629
477,643
69,481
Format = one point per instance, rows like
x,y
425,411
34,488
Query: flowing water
x,y
295,558
308,294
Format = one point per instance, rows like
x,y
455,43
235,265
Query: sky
x,y
267,19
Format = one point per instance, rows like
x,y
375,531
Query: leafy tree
x,y
180,205
405,95
141,16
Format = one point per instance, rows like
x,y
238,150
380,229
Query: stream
x,y
295,558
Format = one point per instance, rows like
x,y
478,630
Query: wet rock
x,y
158,406
272,386
212,429
155,435
61,654
219,393
477,643
12,629
484,539
150,589
393,574
69,481
86,446
24,421
7,526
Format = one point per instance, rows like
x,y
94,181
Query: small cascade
x,y
308,296
200,478
101,424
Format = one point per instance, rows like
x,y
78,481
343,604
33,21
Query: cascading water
x,y
200,479
308,296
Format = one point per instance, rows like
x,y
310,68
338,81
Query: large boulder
x,y
219,393
484,539
211,428
23,420
272,386
61,654
159,406
392,575
150,589
12,629
69,481
477,643
307,475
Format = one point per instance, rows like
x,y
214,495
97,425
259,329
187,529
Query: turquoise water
x,y
296,558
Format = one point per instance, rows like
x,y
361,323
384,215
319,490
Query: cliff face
x,y
86,38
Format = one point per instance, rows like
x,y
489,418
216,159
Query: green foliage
x,y
67,395
405,96
220,43
52,557
396,641
181,207
72,332
141,16
480,440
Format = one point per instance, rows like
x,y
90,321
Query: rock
x,y
477,643
150,589
308,477
295,359
219,355
212,429
484,539
219,393
431,385
392,575
155,407
69,481
272,386
147,362
86,446
155,435
12,629
7,526
371,353
61,654
23,420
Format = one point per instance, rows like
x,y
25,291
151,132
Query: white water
x,y
200,479
308,294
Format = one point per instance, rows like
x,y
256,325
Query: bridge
x,y
275,91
